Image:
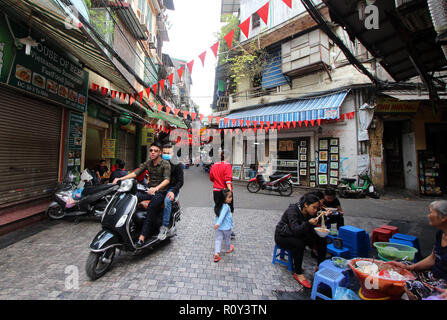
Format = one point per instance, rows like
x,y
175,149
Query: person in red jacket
x,y
221,174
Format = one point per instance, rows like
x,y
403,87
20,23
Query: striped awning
x,y
320,107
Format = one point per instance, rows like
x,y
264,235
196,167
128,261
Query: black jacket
x,y
176,181
294,224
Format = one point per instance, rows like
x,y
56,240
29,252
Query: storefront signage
x,y
45,71
108,148
76,125
396,106
148,136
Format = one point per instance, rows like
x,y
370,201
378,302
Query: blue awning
x,y
321,107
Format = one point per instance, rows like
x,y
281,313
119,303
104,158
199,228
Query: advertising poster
x,y
76,123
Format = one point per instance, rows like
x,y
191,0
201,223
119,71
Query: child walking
x,y
223,225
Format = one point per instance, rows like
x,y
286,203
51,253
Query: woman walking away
x,y
295,230
223,225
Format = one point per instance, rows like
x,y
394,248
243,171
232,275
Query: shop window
x,y
363,147
255,20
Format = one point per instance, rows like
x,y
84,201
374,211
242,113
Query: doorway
x,y
392,143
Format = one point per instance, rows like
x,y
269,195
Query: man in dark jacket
x,y
175,184
295,230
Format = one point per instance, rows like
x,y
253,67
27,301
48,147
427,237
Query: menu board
x,y
108,148
45,71
75,130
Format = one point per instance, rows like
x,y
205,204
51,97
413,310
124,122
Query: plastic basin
x,y
395,251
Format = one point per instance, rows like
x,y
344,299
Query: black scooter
x,y
92,200
122,223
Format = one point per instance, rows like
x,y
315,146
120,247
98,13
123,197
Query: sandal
x,y
217,258
304,283
231,249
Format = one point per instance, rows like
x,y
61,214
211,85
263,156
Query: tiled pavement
x,y
36,267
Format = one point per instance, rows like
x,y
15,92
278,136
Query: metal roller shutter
x,y
126,149
29,147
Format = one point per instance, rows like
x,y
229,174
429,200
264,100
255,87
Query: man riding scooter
x,y
159,178
175,184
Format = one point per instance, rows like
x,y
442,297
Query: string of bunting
x,y
263,13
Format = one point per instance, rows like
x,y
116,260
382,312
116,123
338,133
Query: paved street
x,y
36,263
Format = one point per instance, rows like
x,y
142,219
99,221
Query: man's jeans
x,y
167,210
149,225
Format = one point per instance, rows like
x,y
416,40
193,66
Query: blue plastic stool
x,y
328,278
328,264
282,253
343,252
409,238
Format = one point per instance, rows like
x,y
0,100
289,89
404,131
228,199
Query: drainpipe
x,y
438,12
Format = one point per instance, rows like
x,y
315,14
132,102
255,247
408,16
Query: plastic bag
x,y
343,293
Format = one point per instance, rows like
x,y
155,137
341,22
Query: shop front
x,y
43,96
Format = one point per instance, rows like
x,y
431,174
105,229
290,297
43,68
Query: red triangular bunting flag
x,y
229,38
312,122
254,123
122,96
306,122
176,111
94,86
241,122
226,121
148,92
154,86
171,78
201,116
288,3
113,94
288,124
159,107
255,129
168,110
218,120
264,12
294,124
104,90
141,93
214,48
190,65
245,27
300,123
162,84
343,117
262,124
185,113
193,115
131,100
319,122
234,122
210,119
202,57
180,72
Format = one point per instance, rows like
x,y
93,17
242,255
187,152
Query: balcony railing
x,y
253,93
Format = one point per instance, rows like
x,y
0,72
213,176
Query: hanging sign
x,y
108,148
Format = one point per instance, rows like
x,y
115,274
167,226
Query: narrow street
x,y
38,263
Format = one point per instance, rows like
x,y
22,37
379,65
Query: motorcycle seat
x,y
97,188
275,176
349,180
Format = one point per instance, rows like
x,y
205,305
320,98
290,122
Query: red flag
x,y
193,115
176,111
274,124
255,129
122,96
229,38
343,117
262,124
245,27
201,116
281,124
159,107
306,122
267,123
94,86
264,12
131,100
300,123
218,120
214,48
185,113
171,78
319,122
104,90
241,122
312,122
202,57
190,65
113,94
294,124
254,123
180,72
288,124
141,95
168,110
154,86
226,121
234,122
288,3
247,123
148,92
210,119
162,84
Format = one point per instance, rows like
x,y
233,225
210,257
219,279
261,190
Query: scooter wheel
x,y
374,195
98,263
55,212
285,189
253,187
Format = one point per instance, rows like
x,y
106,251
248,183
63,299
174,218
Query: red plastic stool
x,y
393,229
380,235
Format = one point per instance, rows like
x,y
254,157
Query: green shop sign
x,y
45,71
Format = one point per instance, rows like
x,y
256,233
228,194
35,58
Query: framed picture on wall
x,y
303,164
303,172
312,178
312,164
322,168
323,144
323,156
247,173
334,157
333,181
237,172
302,143
334,165
312,184
322,179
303,150
334,142
334,149
334,173
303,157
312,170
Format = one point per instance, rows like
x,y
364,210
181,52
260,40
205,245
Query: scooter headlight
x,y
121,221
126,185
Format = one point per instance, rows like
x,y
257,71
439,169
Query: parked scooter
x,y
279,183
90,198
348,188
122,223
